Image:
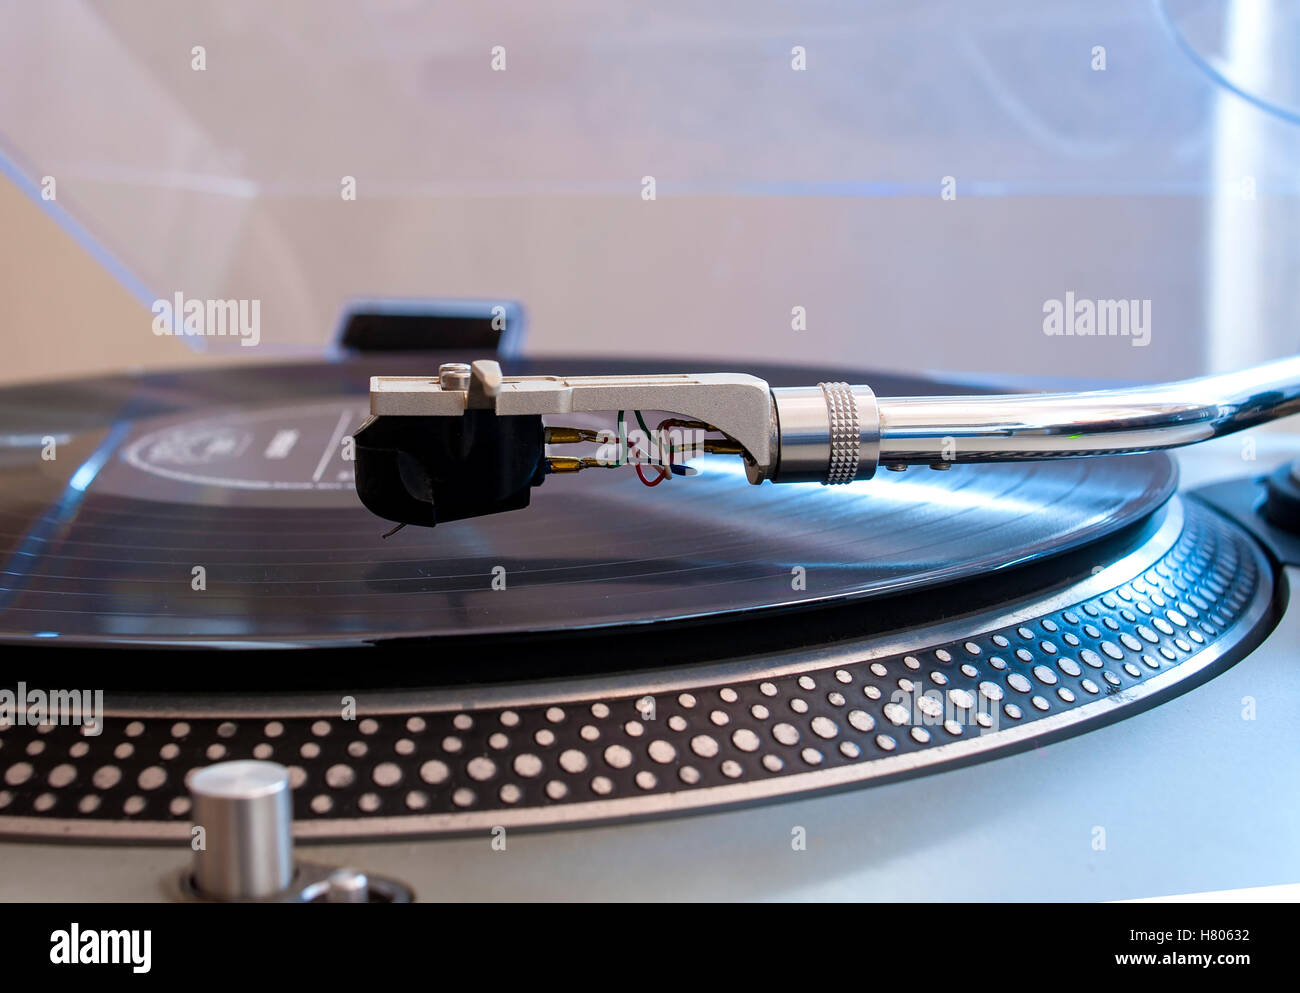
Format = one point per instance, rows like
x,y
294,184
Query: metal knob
x,y
245,811
454,375
347,886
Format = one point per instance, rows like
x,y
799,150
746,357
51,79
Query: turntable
x,y
595,651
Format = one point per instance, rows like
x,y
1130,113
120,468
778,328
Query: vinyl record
x,y
217,508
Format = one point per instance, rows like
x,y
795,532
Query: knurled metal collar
x,y
842,411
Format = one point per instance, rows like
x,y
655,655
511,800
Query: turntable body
x,y
650,653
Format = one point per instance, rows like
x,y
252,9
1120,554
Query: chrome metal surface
x,y
829,433
803,435
347,886
845,427
311,883
1029,427
320,884
244,811
1178,608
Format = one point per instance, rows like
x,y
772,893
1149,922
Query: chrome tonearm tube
x,y
1030,427
471,441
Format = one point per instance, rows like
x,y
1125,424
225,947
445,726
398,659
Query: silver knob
x,y
347,886
245,811
454,376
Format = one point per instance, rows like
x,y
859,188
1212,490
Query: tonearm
x,y
471,441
